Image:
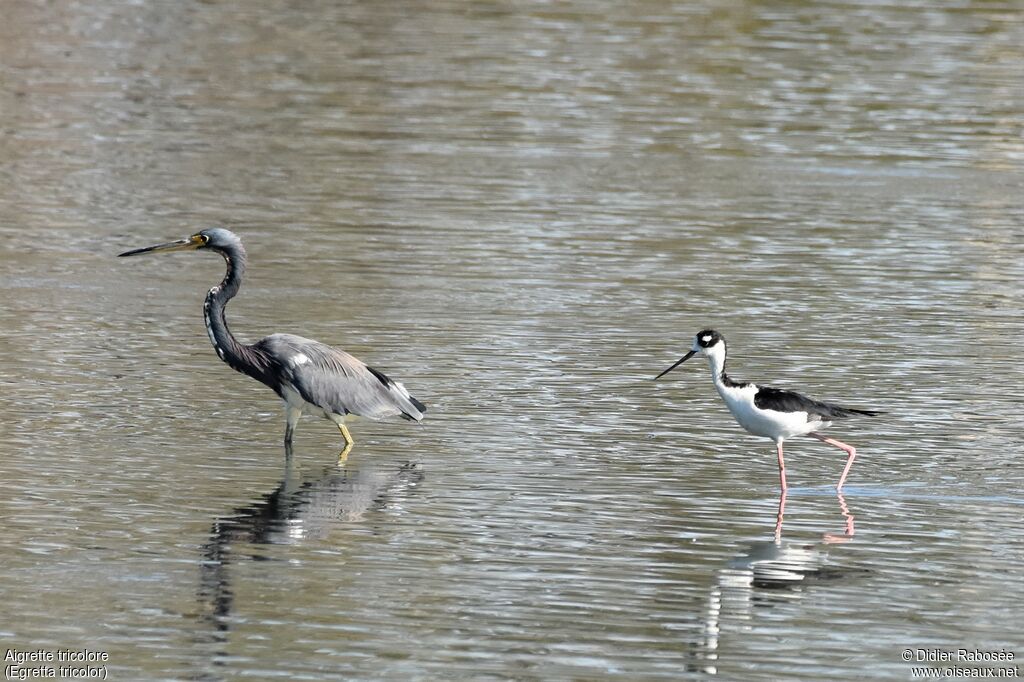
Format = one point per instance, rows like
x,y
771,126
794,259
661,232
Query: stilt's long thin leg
x,y
782,512
782,467
848,449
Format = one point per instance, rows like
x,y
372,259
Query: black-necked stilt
x,y
770,412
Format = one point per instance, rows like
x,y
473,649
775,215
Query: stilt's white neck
x,y
716,361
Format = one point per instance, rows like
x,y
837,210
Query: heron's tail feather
x,y
412,408
420,409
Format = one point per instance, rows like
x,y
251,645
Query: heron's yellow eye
x,y
201,238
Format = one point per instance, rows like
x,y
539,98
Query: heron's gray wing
x,y
337,382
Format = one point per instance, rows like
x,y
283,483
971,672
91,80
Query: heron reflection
x,y
299,509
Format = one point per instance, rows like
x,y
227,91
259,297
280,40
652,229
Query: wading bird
x,y
309,376
770,412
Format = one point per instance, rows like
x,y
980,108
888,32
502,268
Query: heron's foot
x,y
348,436
349,442
343,455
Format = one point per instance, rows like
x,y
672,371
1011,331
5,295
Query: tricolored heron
x,y
309,376
770,412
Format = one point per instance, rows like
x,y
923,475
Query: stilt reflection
x,y
765,575
844,509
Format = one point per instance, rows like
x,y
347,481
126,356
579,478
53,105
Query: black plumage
x,y
781,400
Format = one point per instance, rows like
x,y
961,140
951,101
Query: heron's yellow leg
x,y
348,436
343,455
348,443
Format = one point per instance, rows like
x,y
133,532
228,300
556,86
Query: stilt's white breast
x,y
740,399
760,422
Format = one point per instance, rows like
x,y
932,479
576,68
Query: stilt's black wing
x,y
768,398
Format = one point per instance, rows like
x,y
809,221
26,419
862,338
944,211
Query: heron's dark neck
x,y
238,355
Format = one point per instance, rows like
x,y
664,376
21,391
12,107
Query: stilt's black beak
x,y
189,244
681,361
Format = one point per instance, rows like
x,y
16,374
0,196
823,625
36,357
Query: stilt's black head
x,y
706,339
701,342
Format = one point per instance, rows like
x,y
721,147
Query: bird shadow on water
x,y
299,509
764,577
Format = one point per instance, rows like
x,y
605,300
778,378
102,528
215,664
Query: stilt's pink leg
x,y
833,538
778,520
848,449
782,467
846,514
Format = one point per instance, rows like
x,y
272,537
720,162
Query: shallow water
x,y
523,212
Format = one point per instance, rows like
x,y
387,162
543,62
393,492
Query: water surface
x,y
523,212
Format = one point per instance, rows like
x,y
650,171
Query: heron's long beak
x,y
681,361
188,244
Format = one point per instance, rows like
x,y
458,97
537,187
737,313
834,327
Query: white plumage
x,y
766,411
